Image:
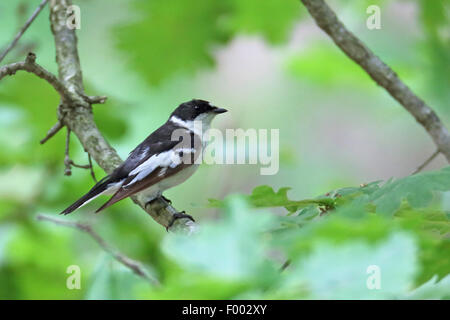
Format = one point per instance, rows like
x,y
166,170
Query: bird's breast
x,y
178,177
157,189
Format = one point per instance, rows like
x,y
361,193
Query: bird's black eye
x,y
196,107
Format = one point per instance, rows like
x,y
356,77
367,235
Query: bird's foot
x,y
148,203
179,215
161,197
165,199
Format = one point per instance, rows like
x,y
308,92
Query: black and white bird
x,y
166,158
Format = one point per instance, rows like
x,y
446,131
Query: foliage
x,y
436,19
265,196
336,128
180,35
329,256
416,191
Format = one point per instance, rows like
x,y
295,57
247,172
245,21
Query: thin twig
x,y
30,65
81,166
53,130
132,264
91,167
381,73
23,29
286,264
94,99
430,158
67,161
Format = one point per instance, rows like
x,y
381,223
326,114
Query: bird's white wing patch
x,y
164,160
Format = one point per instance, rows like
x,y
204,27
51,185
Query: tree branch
x,y
53,130
23,29
427,162
68,163
381,73
77,114
91,168
132,264
31,66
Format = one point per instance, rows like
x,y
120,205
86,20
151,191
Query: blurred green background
x,y
271,67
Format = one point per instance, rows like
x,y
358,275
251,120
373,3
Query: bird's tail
x,y
96,190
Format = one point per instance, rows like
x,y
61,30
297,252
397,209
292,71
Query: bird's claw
x,y
167,200
179,215
161,197
148,203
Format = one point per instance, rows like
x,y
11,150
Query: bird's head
x,y
197,110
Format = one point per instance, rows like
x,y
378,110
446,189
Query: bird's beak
x,y
219,110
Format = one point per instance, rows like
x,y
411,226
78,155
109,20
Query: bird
x,y
166,158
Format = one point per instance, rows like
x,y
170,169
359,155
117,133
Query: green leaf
x,y
171,36
265,197
177,36
417,190
271,18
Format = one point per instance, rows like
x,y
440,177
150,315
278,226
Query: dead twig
x,y
132,264
91,167
68,163
53,130
23,29
427,162
94,99
31,66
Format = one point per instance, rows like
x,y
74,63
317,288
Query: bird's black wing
x,y
170,160
155,176
159,141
